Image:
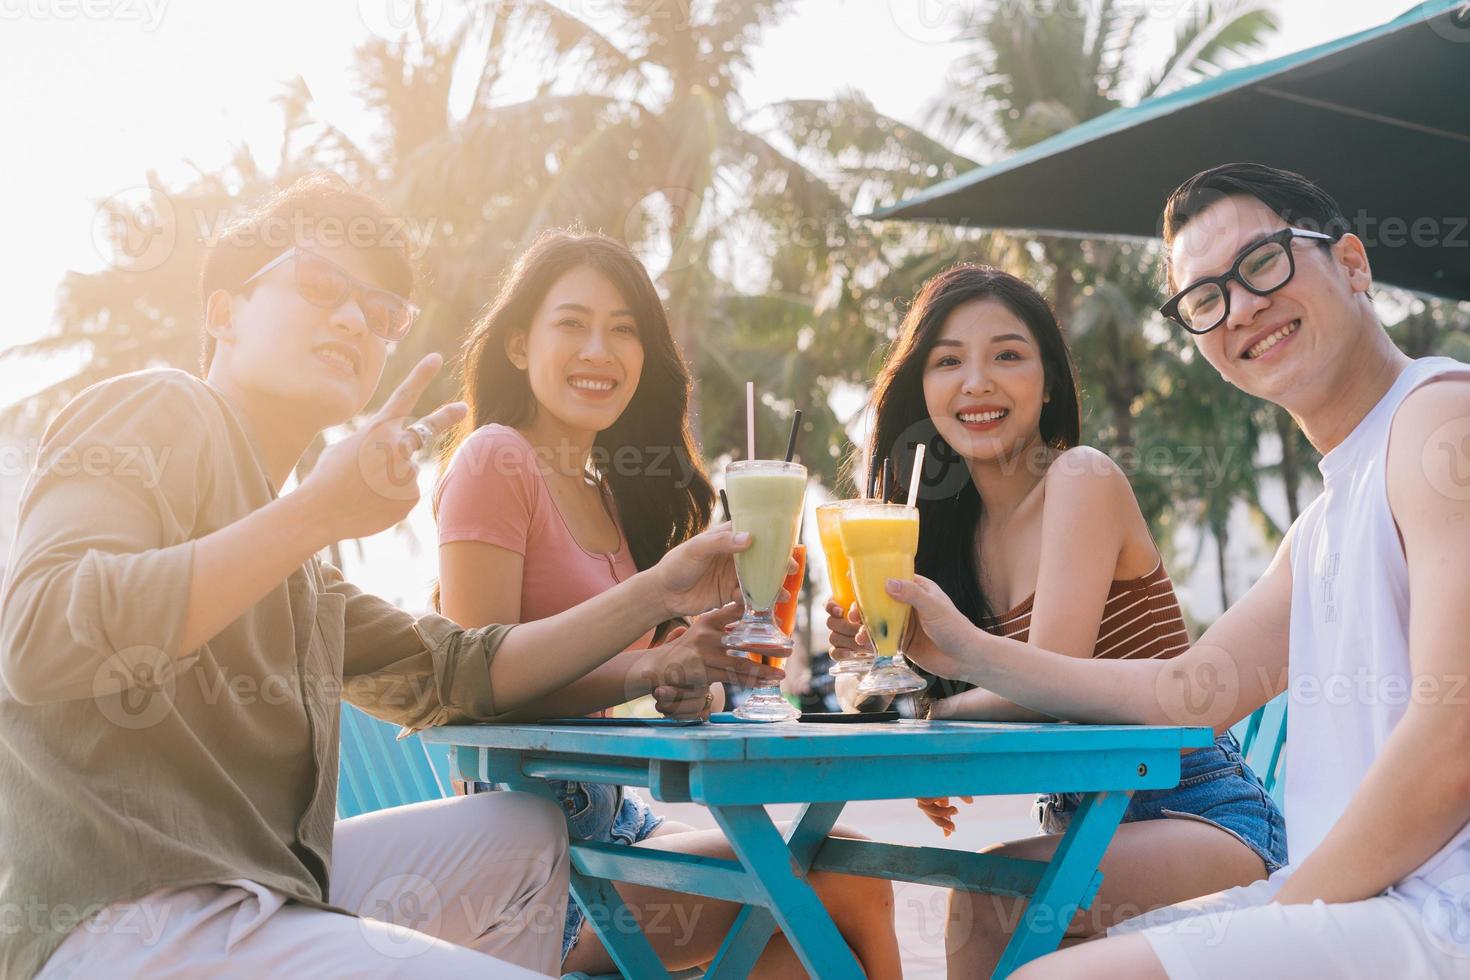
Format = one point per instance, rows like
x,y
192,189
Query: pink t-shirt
x,y
494,492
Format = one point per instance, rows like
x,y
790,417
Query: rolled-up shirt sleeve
x,y
414,671
98,586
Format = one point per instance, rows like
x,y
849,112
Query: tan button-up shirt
x,y
124,770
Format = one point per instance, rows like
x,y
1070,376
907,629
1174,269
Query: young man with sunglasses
x,y
1362,616
174,654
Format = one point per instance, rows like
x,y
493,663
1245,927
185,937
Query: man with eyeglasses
x,y
173,653
1363,616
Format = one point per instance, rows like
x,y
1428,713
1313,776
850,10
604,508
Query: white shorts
x,y
474,886
1240,933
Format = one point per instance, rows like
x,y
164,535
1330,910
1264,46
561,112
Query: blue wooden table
x,y
734,769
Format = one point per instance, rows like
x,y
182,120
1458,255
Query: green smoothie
x,y
765,500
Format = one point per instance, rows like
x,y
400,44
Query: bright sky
x,y
98,92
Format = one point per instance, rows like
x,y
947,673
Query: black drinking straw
x,y
883,482
791,440
725,502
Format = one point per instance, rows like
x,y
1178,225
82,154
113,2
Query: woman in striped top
x,y
1016,516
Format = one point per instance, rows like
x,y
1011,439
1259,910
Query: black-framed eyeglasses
x,y
1262,267
324,283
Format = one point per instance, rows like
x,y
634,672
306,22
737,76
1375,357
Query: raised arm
x,y
361,485
1237,666
431,671
1087,515
111,587
486,507
476,581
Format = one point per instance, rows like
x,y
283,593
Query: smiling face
x,y
582,352
985,383
1292,345
275,343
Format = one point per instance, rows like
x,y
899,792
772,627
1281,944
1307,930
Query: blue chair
x,y
1262,738
376,769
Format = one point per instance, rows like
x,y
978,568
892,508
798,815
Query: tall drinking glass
x,y
765,500
839,572
880,541
766,703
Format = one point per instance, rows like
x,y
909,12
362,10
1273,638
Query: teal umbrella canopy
x,y
1381,119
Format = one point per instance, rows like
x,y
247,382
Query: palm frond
x,y
1203,41
597,61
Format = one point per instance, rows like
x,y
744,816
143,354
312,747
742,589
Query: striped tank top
x,y
1141,620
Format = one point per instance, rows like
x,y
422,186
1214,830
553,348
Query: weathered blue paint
x,y
735,769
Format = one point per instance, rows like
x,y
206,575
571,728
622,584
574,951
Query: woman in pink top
x,y
574,469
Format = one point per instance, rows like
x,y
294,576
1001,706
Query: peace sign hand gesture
x,y
369,481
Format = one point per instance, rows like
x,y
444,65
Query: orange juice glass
x,y
839,575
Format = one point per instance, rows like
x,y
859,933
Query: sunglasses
x,y
324,283
1262,267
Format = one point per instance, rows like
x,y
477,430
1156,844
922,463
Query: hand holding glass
x,y
766,703
765,500
839,576
880,541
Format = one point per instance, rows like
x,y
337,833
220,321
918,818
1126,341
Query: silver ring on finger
x,y
422,430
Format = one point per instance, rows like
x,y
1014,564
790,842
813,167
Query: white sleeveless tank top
x,y
1350,680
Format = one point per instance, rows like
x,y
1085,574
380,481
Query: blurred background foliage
x,y
749,217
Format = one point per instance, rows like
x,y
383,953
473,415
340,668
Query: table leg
x,y
1069,882
754,925
748,937
611,919
779,872
808,832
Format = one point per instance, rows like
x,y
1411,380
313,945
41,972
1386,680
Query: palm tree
x,y
625,125
640,132
1196,456
141,311
1028,78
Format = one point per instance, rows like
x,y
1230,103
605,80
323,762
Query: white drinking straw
x,y
918,475
750,420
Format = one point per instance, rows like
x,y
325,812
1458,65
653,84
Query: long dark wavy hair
x,y
949,504
666,498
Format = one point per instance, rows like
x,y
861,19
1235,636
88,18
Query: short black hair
x,y
322,207
1299,201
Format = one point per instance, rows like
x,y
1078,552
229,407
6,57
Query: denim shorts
x,y
596,811
1215,786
